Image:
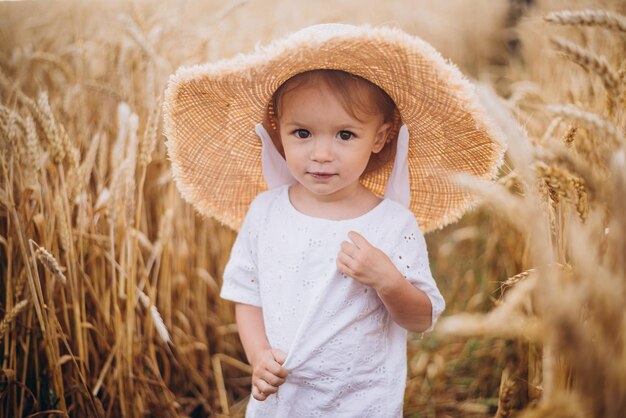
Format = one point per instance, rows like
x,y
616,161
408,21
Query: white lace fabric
x,y
346,357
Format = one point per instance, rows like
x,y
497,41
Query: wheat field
x,y
109,301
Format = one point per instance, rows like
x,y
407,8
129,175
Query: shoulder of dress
x,y
399,213
265,199
402,217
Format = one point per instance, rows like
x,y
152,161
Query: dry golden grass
x,y
109,304
570,163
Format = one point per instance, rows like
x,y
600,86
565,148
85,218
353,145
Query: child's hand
x,y
268,373
366,264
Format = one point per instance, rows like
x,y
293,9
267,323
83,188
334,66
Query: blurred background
x,y
109,301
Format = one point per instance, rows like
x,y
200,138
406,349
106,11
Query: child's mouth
x,y
321,175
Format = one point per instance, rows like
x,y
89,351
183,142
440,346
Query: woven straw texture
x,y
210,112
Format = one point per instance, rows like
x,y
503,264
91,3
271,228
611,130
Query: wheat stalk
x,y
589,17
512,317
149,138
65,236
10,317
21,283
105,89
505,399
590,61
11,118
43,114
136,34
511,281
87,166
560,183
570,135
5,84
552,127
118,153
114,200
54,60
156,317
33,153
69,149
51,264
555,180
523,92
591,120
581,197
511,181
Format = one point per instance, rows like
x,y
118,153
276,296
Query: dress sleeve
x,y
241,282
411,257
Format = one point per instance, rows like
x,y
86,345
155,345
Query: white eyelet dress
x,y
345,356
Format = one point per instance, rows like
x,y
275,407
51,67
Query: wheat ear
x,y
591,120
589,17
505,399
10,317
55,60
149,139
588,60
51,264
159,324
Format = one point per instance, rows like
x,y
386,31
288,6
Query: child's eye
x,y
345,135
302,133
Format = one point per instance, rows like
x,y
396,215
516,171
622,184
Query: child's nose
x,y
322,149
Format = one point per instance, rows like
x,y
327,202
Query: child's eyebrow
x,y
295,122
340,126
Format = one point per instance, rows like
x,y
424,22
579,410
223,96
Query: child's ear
x,y
381,137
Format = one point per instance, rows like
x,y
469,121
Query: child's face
x,y
326,148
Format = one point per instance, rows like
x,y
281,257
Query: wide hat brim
x,y
210,112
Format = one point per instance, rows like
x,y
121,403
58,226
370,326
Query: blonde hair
x,y
358,97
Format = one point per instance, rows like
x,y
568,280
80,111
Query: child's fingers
x,y
274,367
264,387
257,394
349,248
358,239
343,264
279,355
261,391
344,260
271,378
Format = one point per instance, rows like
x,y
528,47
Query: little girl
x,y
360,128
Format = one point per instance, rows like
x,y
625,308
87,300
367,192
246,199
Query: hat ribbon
x,y
274,166
398,187
276,173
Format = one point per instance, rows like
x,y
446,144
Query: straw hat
x,y
211,110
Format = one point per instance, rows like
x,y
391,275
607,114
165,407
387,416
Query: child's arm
x,y
268,373
408,306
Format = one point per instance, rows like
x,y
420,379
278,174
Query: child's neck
x,y
339,206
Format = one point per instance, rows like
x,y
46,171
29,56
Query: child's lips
x,y
320,175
